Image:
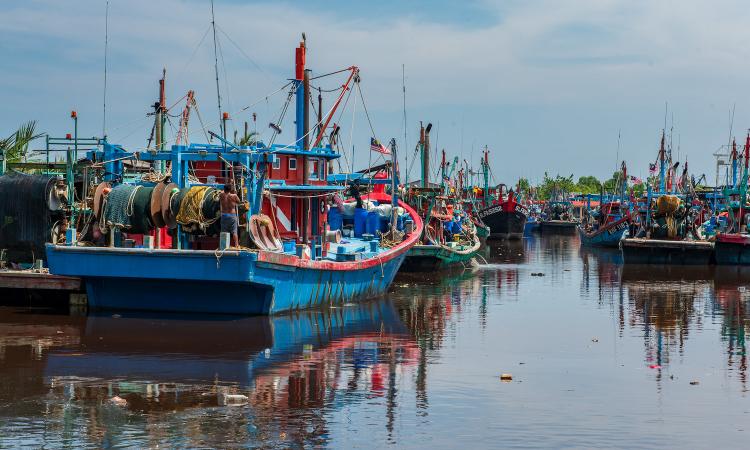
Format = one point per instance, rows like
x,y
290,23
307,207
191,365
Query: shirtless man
x,y
229,218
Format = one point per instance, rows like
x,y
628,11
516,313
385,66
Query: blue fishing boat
x,y
609,235
606,225
294,259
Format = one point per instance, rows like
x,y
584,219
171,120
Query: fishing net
x,y
27,215
667,205
128,208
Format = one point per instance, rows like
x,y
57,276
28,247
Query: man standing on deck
x,y
229,218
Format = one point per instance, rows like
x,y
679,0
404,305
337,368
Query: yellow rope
x,y
191,207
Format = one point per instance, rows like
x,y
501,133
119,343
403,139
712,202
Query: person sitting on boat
x,y
229,217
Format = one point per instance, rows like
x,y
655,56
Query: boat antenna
x,y
617,159
216,64
406,144
106,44
731,126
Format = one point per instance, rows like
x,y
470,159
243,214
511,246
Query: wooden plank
x,y
36,280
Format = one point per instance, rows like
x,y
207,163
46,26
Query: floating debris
x,y
232,399
506,377
118,401
537,274
594,339
695,383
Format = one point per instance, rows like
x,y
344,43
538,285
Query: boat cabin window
x,y
277,163
313,167
292,163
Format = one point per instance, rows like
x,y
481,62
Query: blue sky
x,y
546,84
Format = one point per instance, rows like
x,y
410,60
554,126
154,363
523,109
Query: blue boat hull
x,y
236,282
606,238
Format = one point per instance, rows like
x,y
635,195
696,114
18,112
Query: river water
x,y
600,356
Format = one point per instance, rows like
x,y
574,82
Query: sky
x,y
546,85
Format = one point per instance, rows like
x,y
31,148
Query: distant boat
x,y
450,235
608,227
557,217
506,217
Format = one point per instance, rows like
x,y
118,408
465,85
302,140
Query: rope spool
x,y
155,207
99,195
198,209
333,236
166,201
29,206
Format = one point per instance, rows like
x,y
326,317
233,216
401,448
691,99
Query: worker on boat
x,y
229,217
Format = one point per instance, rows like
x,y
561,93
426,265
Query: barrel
x,y
335,219
373,223
360,221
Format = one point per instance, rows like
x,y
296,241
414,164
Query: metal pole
x,y
305,147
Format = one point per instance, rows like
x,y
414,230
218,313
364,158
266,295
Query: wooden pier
x,y
34,280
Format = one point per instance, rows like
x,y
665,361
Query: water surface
x,y
600,355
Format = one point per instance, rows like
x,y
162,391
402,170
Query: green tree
x,y
15,146
588,185
524,185
614,184
558,185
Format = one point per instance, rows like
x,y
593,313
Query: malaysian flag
x,y
652,168
636,180
376,146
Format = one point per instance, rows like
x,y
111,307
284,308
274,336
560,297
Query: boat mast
x,y
406,145
734,162
662,163
442,173
485,175
216,69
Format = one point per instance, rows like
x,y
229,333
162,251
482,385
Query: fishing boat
x,y
557,215
449,238
292,261
667,222
606,225
500,209
732,240
608,229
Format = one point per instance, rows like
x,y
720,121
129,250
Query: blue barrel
x,y
360,221
335,219
373,222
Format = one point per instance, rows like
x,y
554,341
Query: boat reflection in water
x,y
666,304
291,371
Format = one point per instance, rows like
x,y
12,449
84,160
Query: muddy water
x,y
600,356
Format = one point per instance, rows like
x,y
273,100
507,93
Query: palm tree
x,y
15,146
248,140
